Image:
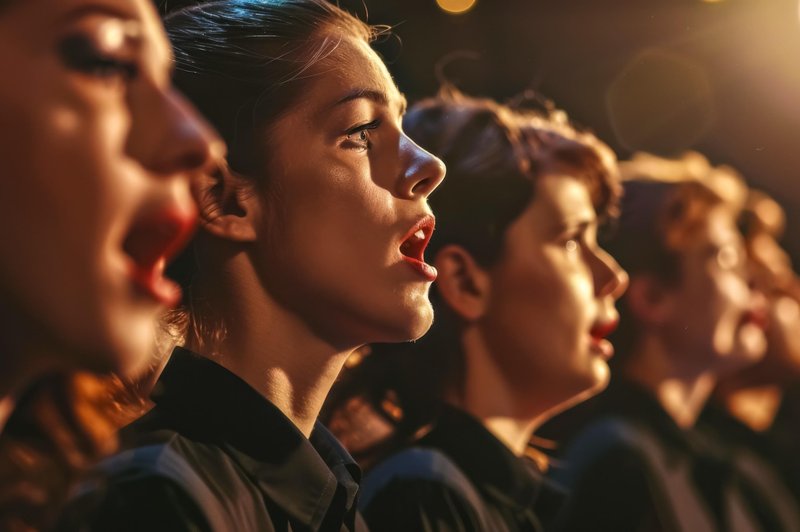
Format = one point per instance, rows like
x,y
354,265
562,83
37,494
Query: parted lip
x,y
601,330
152,241
417,238
759,318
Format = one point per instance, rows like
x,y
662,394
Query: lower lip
x,y
602,347
427,271
152,283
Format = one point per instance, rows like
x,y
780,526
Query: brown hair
x,y
665,203
60,426
494,154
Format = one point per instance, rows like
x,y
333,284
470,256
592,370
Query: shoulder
x,y
169,479
609,458
421,489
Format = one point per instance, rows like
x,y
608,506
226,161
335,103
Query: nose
x,y
609,277
173,138
421,173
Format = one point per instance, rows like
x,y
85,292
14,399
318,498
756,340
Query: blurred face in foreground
x,y
98,152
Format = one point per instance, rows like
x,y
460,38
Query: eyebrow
x,y
373,95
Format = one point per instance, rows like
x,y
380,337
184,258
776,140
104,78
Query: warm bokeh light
x,y
456,7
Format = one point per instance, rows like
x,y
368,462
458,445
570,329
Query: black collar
x,y
491,466
307,478
629,400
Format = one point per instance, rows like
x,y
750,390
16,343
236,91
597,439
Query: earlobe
x,y
227,205
462,283
648,299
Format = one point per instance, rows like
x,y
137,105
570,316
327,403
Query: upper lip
x,y
758,317
413,244
158,235
602,329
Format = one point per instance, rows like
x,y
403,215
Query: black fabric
x,y
784,440
760,481
631,467
232,460
512,489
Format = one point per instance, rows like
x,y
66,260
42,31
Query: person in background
x,y
311,245
99,152
523,302
748,412
632,457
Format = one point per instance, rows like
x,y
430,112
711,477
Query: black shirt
x,y
758,466
464,479
784,438
213,454
631,467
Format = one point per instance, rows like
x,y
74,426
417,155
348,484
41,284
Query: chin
x,y
412,326
594,380
128,345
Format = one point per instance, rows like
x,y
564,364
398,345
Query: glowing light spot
x,y
456,7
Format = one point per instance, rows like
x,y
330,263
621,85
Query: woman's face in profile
x,y
714,317
347,219
98,151
552,297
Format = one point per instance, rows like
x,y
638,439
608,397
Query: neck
x,y
489,395
756,407
275,352
681,393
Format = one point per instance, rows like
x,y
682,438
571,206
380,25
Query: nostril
x,y
421,186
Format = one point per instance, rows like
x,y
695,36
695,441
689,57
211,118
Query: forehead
x,y
35,19
352,67
565,194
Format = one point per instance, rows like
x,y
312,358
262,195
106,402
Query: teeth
x,y
420,235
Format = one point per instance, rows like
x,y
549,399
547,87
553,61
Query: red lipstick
x,y
412,247
152,241
759,318
598,333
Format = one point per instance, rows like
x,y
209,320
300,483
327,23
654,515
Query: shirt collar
x,y
308,478
490,465
631,401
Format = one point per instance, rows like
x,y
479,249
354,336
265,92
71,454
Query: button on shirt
x,y
213,454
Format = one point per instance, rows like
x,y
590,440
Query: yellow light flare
x,y
456,7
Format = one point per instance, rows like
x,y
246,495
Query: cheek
x,y
731,298
544,304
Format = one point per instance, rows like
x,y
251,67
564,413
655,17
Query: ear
x,y
228,205
649,299
461,282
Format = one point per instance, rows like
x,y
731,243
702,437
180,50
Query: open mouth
x,y
412,248
759,318
599,332
152,241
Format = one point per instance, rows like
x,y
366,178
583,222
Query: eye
x,y
79,52
729,258
571,245
359,136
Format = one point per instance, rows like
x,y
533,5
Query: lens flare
x,y
456,7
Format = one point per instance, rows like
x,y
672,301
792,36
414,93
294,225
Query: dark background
x,y
659,75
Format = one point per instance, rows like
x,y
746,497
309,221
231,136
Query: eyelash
x,y
363,142
80,54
